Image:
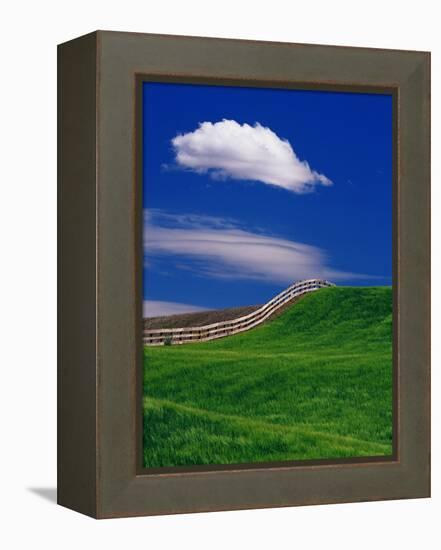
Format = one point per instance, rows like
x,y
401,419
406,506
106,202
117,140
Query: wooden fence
x,y
187,335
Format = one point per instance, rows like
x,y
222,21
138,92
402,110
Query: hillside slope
x,y
316,382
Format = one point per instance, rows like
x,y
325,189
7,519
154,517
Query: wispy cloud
x,y
158,308
221,249
227,149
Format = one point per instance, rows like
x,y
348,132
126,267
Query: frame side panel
x,y
77,274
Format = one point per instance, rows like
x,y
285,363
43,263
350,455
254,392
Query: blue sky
x,y
246,190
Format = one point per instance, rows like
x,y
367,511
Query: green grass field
x,y
316,382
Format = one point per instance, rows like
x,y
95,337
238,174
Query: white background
x,y
29,34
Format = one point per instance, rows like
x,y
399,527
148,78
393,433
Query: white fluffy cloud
x,y
213,249
159,308
227,149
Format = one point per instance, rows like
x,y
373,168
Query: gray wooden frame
x,y
99,471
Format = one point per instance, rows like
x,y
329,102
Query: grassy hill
x,y
316,382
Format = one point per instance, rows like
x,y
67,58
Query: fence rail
x,y
187,335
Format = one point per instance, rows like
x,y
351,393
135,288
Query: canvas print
x,y
267,274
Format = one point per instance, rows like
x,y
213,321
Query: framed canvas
x,y
244,274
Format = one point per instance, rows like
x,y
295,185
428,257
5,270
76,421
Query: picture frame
x,y
100,470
